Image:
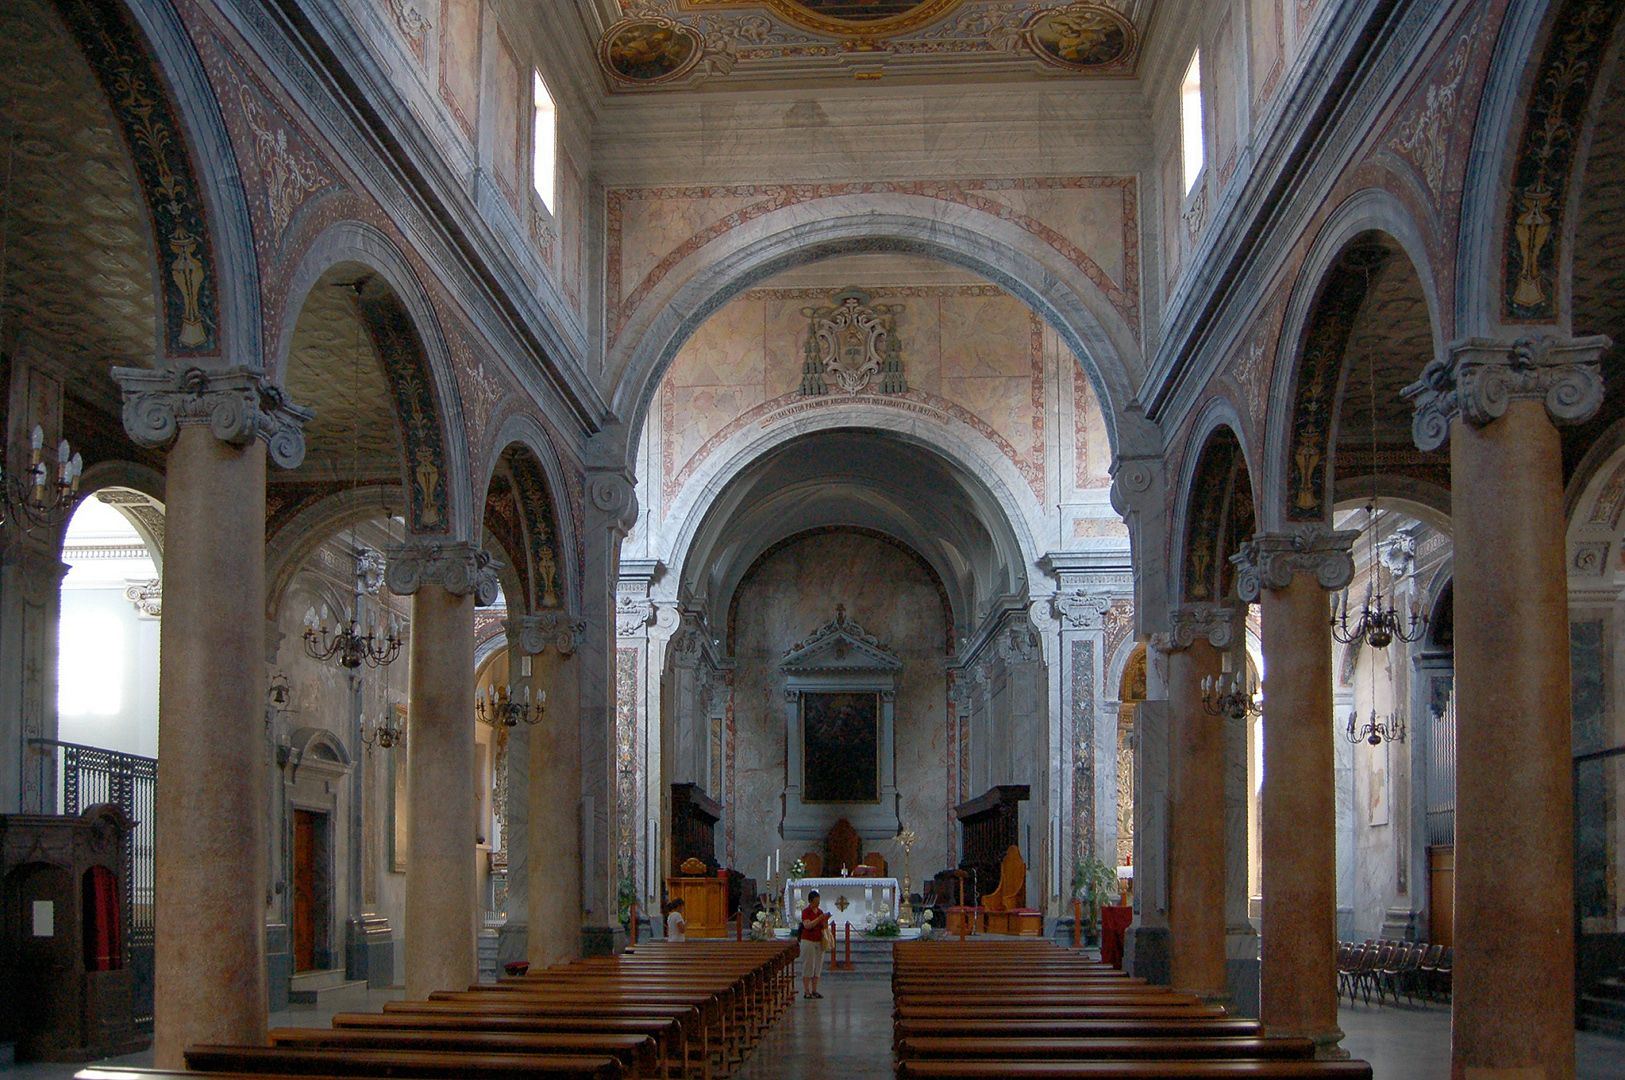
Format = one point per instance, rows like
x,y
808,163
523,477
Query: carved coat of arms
x,y
853,343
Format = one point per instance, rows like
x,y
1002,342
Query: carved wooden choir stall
x,y
65,992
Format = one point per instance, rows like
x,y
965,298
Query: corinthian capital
x,y
1212,621
1481,376
459,568
237,403
534,633
1271,560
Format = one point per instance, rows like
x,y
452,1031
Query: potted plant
x,y
1093,883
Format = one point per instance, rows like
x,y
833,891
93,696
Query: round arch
x,y
422,346
1096,332
526,431
1369,211
1219,420
292,544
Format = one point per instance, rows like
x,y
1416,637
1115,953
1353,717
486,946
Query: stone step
x,y
1605,1016
326,991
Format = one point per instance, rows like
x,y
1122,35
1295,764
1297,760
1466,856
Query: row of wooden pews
x,y
689,1011
1012,1009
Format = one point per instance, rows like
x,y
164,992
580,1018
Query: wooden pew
x,y
1122,1048
666,1033
636,1053
414,1064
1133,1070
1217,1027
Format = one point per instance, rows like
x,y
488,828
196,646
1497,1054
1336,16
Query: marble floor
x,y
847,1034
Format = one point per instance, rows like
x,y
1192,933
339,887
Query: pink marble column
x,y
442,907
1196,812
1512,1008
555,817
1290,574
209,859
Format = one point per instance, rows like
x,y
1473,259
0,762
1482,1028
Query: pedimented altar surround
x,y
829,431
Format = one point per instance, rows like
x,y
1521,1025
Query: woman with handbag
x,y
814,923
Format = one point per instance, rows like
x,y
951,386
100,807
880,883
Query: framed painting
x,y
840,747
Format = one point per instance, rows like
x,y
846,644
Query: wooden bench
x,y
414,1064
1220,1027
636,1053
666,1033
1133,1070
1122,1048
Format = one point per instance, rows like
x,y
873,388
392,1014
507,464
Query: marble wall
x,y
792,592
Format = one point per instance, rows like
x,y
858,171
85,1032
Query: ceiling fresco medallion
x,y
1081,37
649,51
879,18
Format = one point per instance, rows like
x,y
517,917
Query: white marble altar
x,y
864,896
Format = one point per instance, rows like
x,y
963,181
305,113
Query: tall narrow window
x,y
546,151
1190,120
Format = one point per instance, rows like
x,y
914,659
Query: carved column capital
x,y
1482,375
1191,621
460,568
239,404
534,633
612,494
1270,560
633,615
1135,483
1079,610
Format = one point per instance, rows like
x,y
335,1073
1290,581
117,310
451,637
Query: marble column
x,y
1196,809
1290,573
553,861
1498,404
442,907
210,815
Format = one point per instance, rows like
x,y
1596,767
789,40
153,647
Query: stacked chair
x,y
1413,968
985,1010
690,1011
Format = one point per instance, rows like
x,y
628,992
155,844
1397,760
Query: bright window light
x,y
547,133
1190,120
90,674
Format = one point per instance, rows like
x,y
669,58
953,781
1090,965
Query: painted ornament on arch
x,y
1081,37
649,51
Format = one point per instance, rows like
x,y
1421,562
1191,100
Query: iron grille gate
x,y
91,775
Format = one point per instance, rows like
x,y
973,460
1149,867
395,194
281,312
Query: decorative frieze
x,y
1270,560
1481,376
239,404
460,568
534,633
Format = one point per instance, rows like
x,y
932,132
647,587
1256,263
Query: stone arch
x,y
137,492
526,432
1535,120
1218,508
297,535
203,237
521,514
1099,335
400,317
1306,384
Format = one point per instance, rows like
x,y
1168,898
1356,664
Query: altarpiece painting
x,y
840,747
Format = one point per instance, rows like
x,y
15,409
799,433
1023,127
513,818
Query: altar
x,y
847,899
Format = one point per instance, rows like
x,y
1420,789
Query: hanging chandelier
x,y
345,643
499,706
1375,729
1231,696
1379,622
42,497
384,734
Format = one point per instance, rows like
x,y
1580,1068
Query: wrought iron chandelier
x,y
1231,696
1379,622
500,706
385,734
43,497
345,643
1376,728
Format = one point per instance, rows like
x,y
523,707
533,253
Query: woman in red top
x,y
812,945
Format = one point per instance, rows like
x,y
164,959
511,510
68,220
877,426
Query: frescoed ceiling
x,y
681,44
77,282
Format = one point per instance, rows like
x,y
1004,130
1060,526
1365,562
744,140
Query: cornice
x,y
321,59
1321,114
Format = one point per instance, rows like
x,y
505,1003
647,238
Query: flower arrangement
x,y
883,927
761,927
798,869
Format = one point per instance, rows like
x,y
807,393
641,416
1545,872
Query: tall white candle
x,y
778,863
770,869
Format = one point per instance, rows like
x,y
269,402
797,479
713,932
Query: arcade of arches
x,y
1049,385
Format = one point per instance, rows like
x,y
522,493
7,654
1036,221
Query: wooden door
x,y
304,890
1442,895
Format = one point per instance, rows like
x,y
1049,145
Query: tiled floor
x,y
847,1034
